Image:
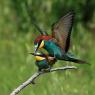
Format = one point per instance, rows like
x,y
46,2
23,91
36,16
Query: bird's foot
x,y
46,70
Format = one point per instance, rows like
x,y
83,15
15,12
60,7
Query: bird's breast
x,y
53,48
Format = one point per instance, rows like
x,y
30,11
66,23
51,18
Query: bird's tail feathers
x,y
79,61
72,58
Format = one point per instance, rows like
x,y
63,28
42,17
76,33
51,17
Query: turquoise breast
x,y
53,49
42,64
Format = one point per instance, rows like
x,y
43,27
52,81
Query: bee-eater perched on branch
x,y
44,62
57,44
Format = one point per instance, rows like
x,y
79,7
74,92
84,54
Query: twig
x,y
32,78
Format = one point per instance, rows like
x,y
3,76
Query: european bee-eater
x,y
57,44
44,62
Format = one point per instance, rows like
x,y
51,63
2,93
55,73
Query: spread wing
x,y
61,30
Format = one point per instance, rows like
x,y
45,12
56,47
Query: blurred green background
x,y
16,40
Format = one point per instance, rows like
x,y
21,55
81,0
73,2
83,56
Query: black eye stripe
x,y
39,43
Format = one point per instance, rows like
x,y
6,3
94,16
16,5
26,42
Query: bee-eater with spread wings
x,y
57,44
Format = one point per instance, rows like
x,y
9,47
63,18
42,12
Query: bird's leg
x,y
40,70
47,70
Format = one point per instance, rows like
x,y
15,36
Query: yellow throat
x,y
39,58
41,45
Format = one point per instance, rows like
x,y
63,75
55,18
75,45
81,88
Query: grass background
x,y
16,65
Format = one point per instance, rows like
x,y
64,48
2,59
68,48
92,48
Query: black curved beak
x,y
33,54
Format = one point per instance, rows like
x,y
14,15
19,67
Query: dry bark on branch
x,y
35,75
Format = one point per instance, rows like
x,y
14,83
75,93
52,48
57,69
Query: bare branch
x,y
32,78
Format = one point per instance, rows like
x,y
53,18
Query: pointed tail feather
x,y
79,61
72,58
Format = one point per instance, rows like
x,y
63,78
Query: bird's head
x,y
40,41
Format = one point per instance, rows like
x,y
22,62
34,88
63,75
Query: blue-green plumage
x,y
56,51
57,44
53,49
42,64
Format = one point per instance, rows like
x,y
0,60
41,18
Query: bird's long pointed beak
x,y
33,54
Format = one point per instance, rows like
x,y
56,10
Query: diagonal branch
x,y
32,78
